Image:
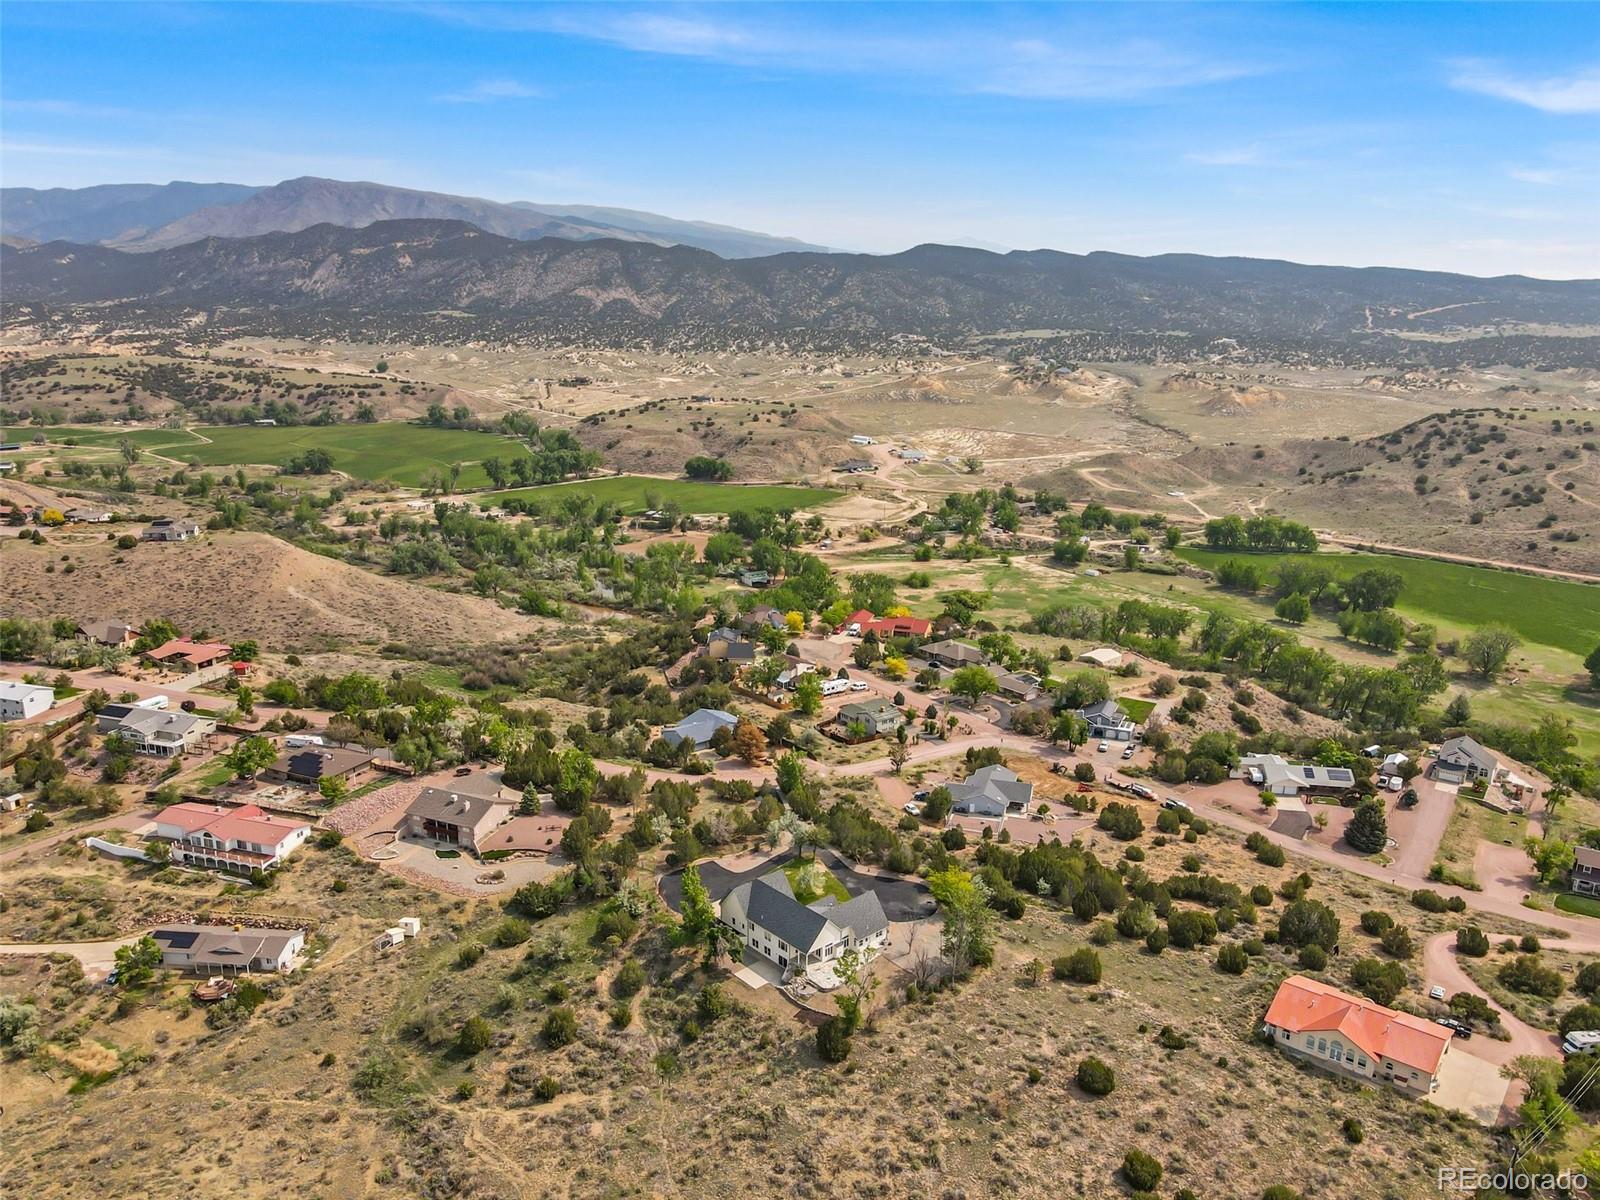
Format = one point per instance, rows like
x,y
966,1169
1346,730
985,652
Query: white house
x,y
992,791
1107,721
1283,778
803,939
225,950
19,701
153,731
231,839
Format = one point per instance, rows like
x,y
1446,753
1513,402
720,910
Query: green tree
x,y
1592,665
698,915
968,919
250,756
137,961
833,1040
972,683
1487,650
1552,858
808,694
334,788
475,1036
575,780
1368,830
1294,608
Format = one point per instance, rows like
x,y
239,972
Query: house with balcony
x,y
218,837
803,939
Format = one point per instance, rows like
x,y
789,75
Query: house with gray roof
x,y
1275,774
878,716
699,727
803,939
1107,721
229,950
1463,760
992,791
1585,876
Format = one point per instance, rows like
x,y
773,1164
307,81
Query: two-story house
x,y
240,839
801,937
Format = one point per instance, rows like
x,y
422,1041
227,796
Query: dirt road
x,y
1441,968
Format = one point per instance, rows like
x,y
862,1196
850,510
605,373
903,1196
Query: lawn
x,y
1137,710
1585,906
1552,612
637,493
811,881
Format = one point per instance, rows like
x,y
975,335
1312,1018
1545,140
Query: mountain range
x,y
432,266
141,216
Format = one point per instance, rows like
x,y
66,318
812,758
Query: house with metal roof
x,y
803,939
991,791
454,818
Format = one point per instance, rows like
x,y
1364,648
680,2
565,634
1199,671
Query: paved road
x,y
97,957
903,899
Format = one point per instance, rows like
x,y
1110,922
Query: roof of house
x,y
189,651
915,626
313,762
770,903
1103,655
12,690
876,709
1587,856
1106,712
995,783
223,943
244,823
701,724
1275,769
111,633
148,721
1469,749
454,808
960,651
1303,1004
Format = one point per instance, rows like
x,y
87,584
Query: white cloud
x,y
487,91
1236,156
1578,92
1543,177
1076,64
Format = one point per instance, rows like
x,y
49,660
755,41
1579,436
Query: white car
x,y
857,685
914,809
1436,993
1104,746
1128,753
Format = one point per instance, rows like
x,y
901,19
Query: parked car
x,y
1104,746
1460,1028
1128,753
858,685
914,810
1086,787
463,771
922,793
1174,802
1580,1040
1436,992
1408,798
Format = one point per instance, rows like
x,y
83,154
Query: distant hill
x,y
107,212
423,266
143,216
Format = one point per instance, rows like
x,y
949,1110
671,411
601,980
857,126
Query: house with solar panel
x,y
1275,774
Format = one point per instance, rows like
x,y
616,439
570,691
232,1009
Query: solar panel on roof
x,y
1340,775
177,939
1310,772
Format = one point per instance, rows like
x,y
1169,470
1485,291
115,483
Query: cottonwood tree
x,y
698,916
1488,650
800,832
250,756
968,919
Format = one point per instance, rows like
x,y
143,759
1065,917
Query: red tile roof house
x,y
1353,1036
231,839
188,655
886,626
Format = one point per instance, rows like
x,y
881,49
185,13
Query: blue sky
x,y
1447,136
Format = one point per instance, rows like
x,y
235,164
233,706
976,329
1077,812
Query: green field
x,y
636,493
1551,612
392,450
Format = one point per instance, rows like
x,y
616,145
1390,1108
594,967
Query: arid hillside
x,y
247,585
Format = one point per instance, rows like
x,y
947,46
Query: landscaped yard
x,y
638,493
811,881
1585,906
1138,710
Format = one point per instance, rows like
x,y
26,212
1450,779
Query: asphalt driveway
x,y
902,899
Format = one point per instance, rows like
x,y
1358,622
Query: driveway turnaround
x,y
902,899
